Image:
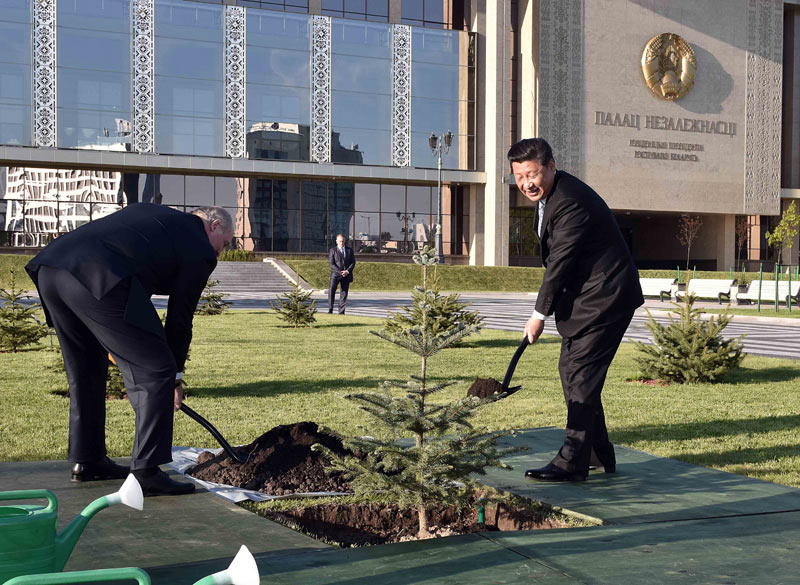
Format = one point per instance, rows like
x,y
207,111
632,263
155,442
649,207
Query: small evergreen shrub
x,y
212,302
689,349
295,308
19,326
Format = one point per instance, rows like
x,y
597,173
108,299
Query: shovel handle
x,y
514,360
213,430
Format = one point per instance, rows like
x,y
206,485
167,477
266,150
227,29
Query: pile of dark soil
x,y
483,387
364,524
280,462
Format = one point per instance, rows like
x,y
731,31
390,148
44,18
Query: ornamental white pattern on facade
x,y
321,89
763,107
44,72
401,95
143,91
561,79
235,93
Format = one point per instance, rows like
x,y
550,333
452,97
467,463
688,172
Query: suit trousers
x,y
336,280
583,366
88,329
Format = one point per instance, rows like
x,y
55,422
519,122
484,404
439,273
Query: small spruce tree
x,y
18,323
689,349
439,467
295,308
211,301
445,312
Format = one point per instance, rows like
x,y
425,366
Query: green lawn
x,y
248,373
15,262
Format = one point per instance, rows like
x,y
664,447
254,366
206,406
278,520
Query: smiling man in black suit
x,y
95,285
591,284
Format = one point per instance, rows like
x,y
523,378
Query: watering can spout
x,y
129,494
242,571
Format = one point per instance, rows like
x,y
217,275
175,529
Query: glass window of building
x,y
361,93
376,10
428,13
285,5
440,97
189,83
278,85
94,74
15,72
314,217
341,197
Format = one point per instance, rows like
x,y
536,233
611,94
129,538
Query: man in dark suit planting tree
x,y
95,285
592,286
342,261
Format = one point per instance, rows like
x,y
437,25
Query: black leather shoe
x,y
330,312
552,473
160,484
99,470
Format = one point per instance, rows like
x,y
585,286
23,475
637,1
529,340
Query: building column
x,y
494,68
528,67
476,236
726,241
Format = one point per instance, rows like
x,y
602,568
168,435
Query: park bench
x,y
708,288
657,287
768,292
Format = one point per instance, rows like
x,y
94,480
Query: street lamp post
x,y
440,145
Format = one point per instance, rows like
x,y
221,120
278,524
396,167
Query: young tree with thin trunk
x,y
742,237
782,237
688,230
439,467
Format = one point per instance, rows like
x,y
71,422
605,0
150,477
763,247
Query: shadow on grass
x,y
276,387
706,429
758,375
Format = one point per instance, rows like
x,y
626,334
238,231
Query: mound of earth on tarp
x,y
367,524
279,462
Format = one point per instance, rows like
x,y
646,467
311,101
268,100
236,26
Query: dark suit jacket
x,y
339,263
590,278
161,250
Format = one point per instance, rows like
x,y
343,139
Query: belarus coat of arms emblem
x,y
669,66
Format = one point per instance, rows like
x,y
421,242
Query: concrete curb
x,y
289,274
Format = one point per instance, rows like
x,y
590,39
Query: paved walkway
x,y
664,522
767,336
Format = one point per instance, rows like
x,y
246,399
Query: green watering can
x,y
28,539
242,571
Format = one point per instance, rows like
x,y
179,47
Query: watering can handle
x,y
32,495
126,574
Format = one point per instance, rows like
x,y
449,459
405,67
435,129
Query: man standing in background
x,y
342,261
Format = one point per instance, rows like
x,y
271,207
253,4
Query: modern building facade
x,y
308,118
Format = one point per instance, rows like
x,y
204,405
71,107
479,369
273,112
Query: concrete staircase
x,y
248,278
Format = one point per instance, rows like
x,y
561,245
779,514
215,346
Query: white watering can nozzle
x,y
242,571
129,494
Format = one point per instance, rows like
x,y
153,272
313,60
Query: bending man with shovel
x,y
95,285
592,286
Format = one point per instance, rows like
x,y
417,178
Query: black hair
x,y
535,149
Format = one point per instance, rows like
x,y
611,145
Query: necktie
x,y
541,217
